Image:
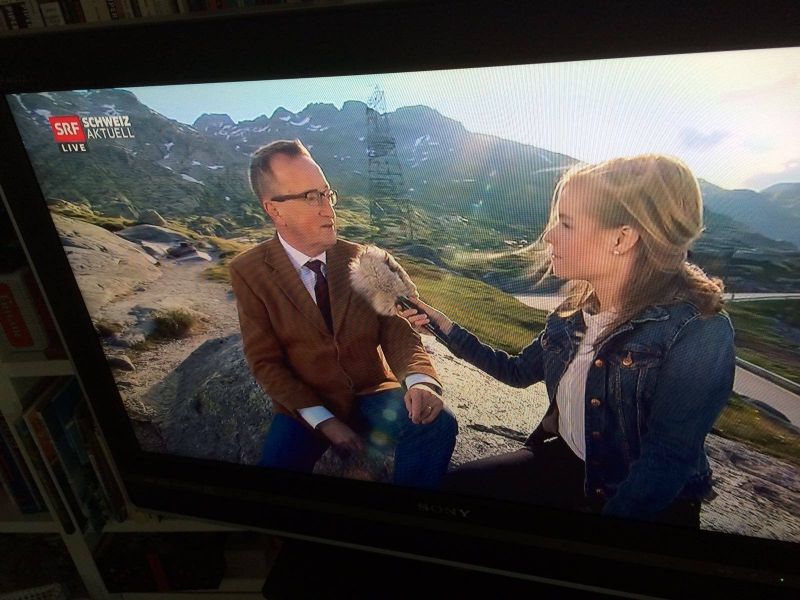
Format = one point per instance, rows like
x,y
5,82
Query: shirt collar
x,y
297,258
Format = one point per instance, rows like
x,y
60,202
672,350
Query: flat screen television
x,y
445,128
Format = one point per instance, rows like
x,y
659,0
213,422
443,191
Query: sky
x,y
733,117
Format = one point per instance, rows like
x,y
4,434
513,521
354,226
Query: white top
x,y
571,394
314,415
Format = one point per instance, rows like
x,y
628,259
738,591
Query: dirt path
x,y
181,285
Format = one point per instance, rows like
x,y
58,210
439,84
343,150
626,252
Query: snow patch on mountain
x,y
22,104
192,179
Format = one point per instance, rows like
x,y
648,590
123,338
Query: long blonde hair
x,y
660,198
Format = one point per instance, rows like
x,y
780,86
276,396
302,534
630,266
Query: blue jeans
x,y
421,452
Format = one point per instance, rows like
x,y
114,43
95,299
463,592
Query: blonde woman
x,y
638,361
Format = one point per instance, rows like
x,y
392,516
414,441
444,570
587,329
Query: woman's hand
x,y
423,315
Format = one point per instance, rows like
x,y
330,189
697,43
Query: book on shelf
x,y
51,421
115,10
94,11
90,439
148,8
38,461
73,11
132,8
52,13
16,475
20,14
153,562
25,320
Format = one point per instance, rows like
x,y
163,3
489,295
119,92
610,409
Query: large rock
x,y
152,233
118,206
151,217
105,265
211,407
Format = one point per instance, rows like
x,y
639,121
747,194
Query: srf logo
x,y
69,133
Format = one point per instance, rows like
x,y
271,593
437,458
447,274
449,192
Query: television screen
x,y
613,242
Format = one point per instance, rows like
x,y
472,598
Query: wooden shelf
x,y
33,364
13,521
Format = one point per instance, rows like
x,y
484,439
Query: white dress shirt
x,y
314,415
571,394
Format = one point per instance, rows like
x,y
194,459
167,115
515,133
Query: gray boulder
x,y
152,233
151,217
121,362
211,407
105,265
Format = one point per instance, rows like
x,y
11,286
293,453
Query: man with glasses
x,y
332,366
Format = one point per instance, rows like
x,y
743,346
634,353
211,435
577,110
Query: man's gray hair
x,y
261,176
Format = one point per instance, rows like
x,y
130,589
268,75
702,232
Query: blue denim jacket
x,y
653,392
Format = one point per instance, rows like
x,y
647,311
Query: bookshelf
x,y
26,16
23,374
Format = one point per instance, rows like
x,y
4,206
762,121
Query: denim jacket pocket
x,y
632,375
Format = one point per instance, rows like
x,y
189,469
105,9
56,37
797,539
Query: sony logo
x,y
438,509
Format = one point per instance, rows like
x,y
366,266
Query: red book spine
x,y
16,330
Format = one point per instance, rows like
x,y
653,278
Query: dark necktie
x,y
321,292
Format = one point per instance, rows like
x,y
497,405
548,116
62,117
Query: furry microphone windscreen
x,y
378,277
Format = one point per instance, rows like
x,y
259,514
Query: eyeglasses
x,y
312,197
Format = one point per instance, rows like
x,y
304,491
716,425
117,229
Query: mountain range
x,y
198,173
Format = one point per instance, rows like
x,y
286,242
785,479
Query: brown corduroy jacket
x,y
291,353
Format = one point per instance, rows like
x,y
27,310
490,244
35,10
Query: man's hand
x,y
341,436
423,404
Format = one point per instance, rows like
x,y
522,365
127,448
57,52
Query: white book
x,y
35,15
126,9
102,10
51,13
89,11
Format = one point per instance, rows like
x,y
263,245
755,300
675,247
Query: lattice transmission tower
x,y
389,204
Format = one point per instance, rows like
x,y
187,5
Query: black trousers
x,y
546,472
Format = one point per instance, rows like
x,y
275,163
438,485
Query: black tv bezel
x,y
313,41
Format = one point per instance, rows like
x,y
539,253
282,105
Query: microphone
x,y
380,279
